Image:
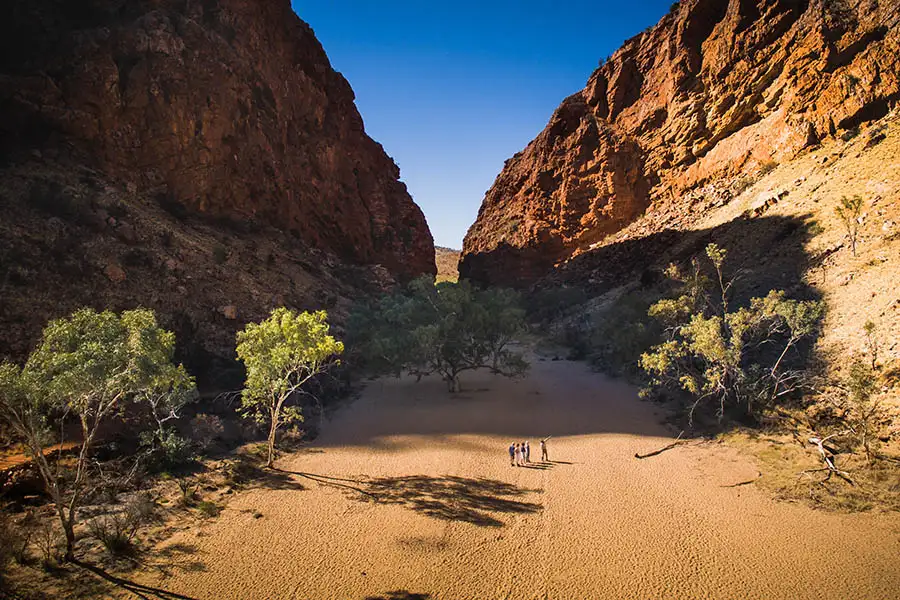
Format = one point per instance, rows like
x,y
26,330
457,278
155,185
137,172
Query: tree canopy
x,y
445,329
737,356
282,354
88,366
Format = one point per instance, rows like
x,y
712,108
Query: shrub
x,y
206,430
849,211
117,531
767,167
865,410
209,509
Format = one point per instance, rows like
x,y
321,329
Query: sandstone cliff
x,y
716,92
197,156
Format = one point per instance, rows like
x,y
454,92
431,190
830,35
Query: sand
x,y
408,493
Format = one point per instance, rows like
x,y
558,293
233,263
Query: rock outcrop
x,y
715,92
199,157
228,108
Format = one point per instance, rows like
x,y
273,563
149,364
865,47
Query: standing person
x,y
518,455
527,451
544,456
512,454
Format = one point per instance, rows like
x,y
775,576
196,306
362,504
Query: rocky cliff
x,y
198,156
717,92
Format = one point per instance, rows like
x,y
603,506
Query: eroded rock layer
x,y
715,91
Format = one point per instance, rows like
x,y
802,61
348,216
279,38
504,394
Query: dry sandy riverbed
x,y
408,494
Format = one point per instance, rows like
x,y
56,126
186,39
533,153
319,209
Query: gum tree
x,y
443,329
86,368
281,355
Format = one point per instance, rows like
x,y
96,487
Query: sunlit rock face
x,y
716,89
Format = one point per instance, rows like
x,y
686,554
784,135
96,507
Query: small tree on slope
x,y
87,367
282,354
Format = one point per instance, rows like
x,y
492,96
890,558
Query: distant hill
x,y
447,260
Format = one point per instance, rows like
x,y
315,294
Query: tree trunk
x,y
69,530
271,461
453,383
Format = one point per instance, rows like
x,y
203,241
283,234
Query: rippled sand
x,y
409,494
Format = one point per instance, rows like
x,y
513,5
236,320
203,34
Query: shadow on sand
x,y
140,590
400,595
448,498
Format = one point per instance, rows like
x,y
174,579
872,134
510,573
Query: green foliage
x,y
88,366
849,211
208,509
446,329
715,352
281,355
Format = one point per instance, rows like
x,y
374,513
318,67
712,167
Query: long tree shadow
x,y
400,595
449,498
138,589
453,498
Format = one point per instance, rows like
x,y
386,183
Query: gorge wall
x,y
200,157
715,92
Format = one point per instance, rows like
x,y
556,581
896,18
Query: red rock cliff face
x,y
229,108
717,88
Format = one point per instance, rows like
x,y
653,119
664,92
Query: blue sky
x,y
453,89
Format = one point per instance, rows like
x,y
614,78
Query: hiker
x,y
527,452
512,454
544,456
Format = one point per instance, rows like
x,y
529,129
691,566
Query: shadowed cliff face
x,y
197,157
715,90
228,108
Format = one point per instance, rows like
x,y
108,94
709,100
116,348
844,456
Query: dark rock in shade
x,y
228,108
186,155
717,89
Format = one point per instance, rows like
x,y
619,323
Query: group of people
x,y
520,453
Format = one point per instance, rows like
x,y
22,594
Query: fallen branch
x,y
677,441
827,455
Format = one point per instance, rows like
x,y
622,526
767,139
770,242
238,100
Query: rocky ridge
x,y
715,93
198,157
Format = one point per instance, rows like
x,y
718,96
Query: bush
x,y
849,211
209,509
206,430
117,531
167,449
623,333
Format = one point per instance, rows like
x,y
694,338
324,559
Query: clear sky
x,y
452,89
